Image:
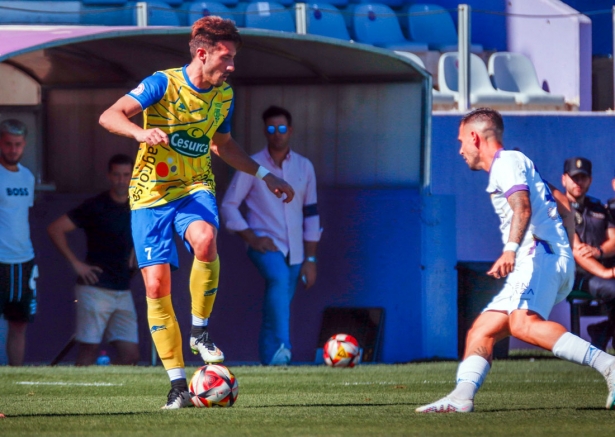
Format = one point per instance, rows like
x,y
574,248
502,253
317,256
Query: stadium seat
x,y
439,100
286,3
239,13
481,90
227,3
102,3
377,24
198,10
390,3
108,15
161,14
39,12
515,72
339,3
326,20
270,16
432,25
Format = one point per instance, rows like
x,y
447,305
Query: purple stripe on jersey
x,y
516,188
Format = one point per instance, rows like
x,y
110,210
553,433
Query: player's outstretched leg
x,y
572,348
470,376
204,279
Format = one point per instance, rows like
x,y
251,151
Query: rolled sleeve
x,y
233,198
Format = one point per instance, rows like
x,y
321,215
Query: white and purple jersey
x,y
512,171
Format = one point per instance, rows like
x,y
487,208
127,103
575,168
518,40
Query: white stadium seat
x,y
515,72
482,92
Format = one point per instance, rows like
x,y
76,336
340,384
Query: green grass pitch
x,y
520,397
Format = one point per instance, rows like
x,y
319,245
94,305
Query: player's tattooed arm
x,y
522,212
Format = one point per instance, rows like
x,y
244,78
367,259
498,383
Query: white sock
x,y
575,349
197,321
470,376
178,373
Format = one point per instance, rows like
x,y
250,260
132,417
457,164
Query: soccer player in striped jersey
x,y
536,260
187,113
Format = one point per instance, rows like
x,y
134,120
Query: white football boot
x,y
448,405
610,382
208,350
177,398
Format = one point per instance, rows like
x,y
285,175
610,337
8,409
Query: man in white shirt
x,y
281,237
536,260
18,272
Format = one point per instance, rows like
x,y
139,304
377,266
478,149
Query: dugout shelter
x,y
361,114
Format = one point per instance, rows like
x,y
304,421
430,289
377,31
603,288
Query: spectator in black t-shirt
x,y
105,307
594,245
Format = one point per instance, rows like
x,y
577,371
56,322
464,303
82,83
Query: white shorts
x,y
538,283
102,312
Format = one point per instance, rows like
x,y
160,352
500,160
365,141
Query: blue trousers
x,y
281,281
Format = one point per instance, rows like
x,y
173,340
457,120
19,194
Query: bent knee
x,y
205,249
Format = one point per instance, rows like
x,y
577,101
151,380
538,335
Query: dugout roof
x,y
102,55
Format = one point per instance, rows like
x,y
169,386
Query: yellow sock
x,y
165,332
204,279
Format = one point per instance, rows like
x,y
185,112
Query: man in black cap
x,y
594,245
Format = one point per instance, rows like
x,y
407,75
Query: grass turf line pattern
x,y
544,397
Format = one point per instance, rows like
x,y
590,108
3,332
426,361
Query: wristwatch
x,y
311,259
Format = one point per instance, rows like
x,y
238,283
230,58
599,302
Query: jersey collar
x,y
193,86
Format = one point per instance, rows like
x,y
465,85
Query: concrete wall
x,y
554,45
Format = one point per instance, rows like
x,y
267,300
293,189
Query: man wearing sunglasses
x,y
281,238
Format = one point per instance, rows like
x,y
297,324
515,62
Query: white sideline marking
x,y
82,384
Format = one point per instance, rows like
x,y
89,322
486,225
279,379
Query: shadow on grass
x,y
125,413
505,410
332,405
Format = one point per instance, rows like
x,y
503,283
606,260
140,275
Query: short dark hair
x,y
119,159
493,117
13,126
274,111
209,31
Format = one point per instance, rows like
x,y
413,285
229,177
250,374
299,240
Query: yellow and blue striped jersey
x,y
190,116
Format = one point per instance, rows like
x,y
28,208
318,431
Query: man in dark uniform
x,y
105,308
594,246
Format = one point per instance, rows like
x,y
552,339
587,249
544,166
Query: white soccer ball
x,y
213,385
341,350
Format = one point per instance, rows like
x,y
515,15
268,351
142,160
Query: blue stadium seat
x,y
433,25
339,3
270,16
239,14
390,3
377,24
109,15
161,14
282,2
40,12
104,2
198,10
326,20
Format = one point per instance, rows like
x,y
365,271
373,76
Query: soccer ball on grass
x,y
213,385
341,350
